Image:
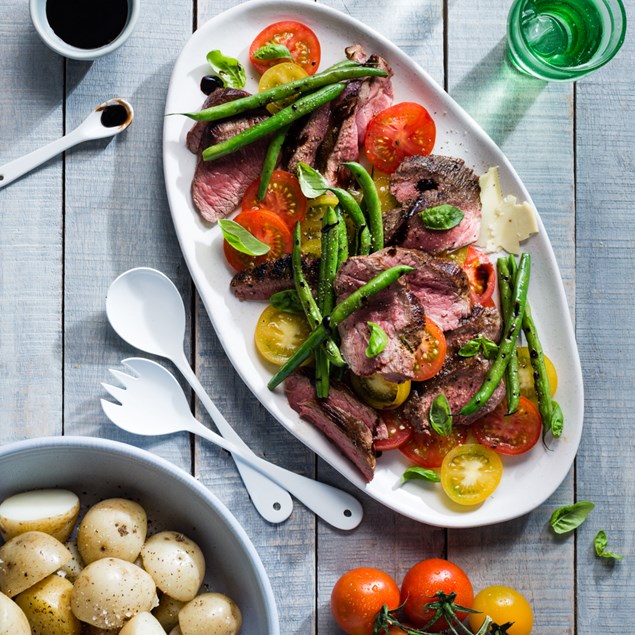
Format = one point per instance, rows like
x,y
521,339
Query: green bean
x,y
296,87
271,159
352,208
496,371
343,310
371,202
328,261
281,119
512,380
342,236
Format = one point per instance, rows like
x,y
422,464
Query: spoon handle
x,y
272,501
334,506
13,170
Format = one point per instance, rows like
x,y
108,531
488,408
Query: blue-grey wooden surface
x,y
70,227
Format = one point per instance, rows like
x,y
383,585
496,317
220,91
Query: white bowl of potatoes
x,y
98,537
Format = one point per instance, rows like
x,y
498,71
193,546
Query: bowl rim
x,y
152,460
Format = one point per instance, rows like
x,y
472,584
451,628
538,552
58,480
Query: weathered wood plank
x,y
31,110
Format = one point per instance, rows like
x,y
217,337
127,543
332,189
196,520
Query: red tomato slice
x,y
298,38
398,132
428,448
399,431
430,355
284,198
510,434
481,275
267,227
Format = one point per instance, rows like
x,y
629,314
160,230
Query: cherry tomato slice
x,y
277,75
267,227
398,132
470,473
510,434
428,448
298,38
279,334
481,275
399,431
526,375
283,197
430,355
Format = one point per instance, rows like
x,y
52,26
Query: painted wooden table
x,y
71,227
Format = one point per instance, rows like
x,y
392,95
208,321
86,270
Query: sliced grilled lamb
x,y
423,182
261,282
458,384
219,185
345,420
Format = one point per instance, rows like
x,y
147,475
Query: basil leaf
x,y
229,69
287,301
569,517
241,240
312,183
420,473
469,349
440,415
273,51
557,420
600,543
490,348
377,341
480,343
441,218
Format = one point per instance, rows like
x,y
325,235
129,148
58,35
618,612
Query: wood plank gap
x,y
63,246
446,47
194,15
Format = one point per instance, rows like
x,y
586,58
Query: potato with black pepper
x,y
12,618
113,528
168,611
210,614
142,624
176,564
28,558
47,606
110,591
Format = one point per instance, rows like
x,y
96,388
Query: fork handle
x,y
272,501
333,505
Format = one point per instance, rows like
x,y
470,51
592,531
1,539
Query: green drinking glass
x,y
563,40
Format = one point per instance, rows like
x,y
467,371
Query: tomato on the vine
x,y
430,355
503,604
301,42
400,131
481,276
424,580
283,197
359,595
510,434
428,448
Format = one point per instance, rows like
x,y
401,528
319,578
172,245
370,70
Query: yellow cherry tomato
x,y
311,230
526,375
277,75
470,473
503,604
279,334
382,183
380,393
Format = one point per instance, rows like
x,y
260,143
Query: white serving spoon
x,y
107,120
152,403
146,310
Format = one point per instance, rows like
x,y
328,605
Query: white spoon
x,y
146,310
153,403
107,120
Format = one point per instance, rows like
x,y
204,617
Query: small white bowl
x,y
96,469
53,41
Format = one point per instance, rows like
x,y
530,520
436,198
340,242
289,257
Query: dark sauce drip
x,y
112,116
210,83
87,24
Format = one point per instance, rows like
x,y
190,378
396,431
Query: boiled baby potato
x,y
110,591
12,618
74,566
53,511
176,564
210,614
168,611
176,631
142,624
47,606
29,558
113,528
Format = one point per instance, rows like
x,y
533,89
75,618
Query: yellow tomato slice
x,y
470,473
279,334
380,393
526,375
382,183
277,75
